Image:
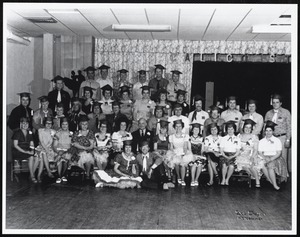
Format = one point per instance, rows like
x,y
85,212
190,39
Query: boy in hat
x,y
232,113
115,118
106,102
21,111
104,80
75,113
151,169
58,95
90,81
174,85
143,108
257,118
181,100
136,89
214,117
178,115
282,117
158,82
198,115
43,112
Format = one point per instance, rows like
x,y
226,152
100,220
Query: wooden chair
x,y
18,166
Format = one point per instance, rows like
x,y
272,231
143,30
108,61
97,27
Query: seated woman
x,y
181,149
269,149
199,160
230,149
161,147
248,152
103,143
83,144
212,151
61,146
22,144
125,172
46,136
121,135
88,101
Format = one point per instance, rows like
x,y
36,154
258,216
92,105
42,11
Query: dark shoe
x,y
209,184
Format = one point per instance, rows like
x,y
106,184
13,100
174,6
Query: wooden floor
x,y
82,206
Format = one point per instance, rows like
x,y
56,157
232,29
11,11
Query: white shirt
x,y
230,144
269,146
200,118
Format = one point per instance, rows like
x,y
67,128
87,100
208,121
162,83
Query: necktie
x,y
194,117
144,163
58,97
175,87
157,85
142,133
274,119
230,139
97,122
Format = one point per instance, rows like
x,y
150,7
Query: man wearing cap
x,y
58,95
104,80
198,115
106,101
158,82
21,111
136,89
178,115
232,113
214,117
115,118
257,118
75,113
282,117
90,81
151,168
174,85
140,135
143,108
181,100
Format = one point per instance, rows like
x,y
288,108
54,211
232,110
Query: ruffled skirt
x,y
85,158
102,179
280,168
242,161
101,156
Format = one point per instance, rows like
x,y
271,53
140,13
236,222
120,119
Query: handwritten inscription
x,y
249,215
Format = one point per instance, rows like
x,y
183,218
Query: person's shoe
x,y
51,175
58,180
64,179
33,179
209,184
99,185
257,185
196,183
171,185
179,181
183,183
192,184
165,186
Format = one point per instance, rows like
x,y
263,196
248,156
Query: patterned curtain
x,y
135,55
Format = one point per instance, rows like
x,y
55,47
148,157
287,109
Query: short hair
x,y
182,124
159,108
123,120
24,119
47,119
247,124
213,125
230,125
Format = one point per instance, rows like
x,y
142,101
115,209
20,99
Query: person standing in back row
x,y
158,82
282,117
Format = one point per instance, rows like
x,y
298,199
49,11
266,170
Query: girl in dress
x,y
46,154
199,160
83,143
88,101
121,135
212,151
162,101
249,144
269,149
103,144
126,104
230,149
61,145
181,149
125,173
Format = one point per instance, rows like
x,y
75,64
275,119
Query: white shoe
x,y
193,184
64,179
182,183
196,183
99,185
58,181
165,186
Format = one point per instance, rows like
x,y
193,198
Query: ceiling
x,y
188,21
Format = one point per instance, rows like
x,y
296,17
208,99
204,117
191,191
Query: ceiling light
x,y
141,28
41,19
62,11
271,29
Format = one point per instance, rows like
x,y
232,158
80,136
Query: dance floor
x,y
81,206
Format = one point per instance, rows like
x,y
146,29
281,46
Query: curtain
x,y
135,55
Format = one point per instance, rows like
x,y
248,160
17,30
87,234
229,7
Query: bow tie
x,y
230,139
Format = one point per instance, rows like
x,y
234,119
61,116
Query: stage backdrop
x,y
245,80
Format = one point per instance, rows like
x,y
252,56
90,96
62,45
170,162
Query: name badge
x,y
236,118
203,117
148,106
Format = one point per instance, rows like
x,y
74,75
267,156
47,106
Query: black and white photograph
x,y
149,118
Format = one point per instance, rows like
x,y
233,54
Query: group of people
x,y
146,135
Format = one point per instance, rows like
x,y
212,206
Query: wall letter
x,y
229,58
